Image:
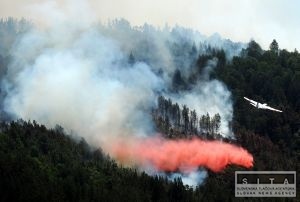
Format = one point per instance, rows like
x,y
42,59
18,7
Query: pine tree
x,y
254,49
202,124
193,121
274,47
185,116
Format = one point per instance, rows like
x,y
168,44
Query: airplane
x,y
261,106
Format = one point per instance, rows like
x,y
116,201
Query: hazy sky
x,y
239,20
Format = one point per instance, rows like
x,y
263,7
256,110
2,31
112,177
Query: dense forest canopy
x,y
50,165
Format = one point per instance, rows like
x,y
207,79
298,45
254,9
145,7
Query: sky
x,y
238,20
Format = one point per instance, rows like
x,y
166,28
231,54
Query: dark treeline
x,y
272,77
267,76
176,121
37,164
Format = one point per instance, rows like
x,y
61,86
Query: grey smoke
x,y
209,96
193,178
77,75
83,84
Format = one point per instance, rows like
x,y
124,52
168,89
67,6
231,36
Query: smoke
x,y
84,85
193,178
77,74
209,96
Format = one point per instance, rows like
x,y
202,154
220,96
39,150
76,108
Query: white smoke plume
x,y
77,74
193,178
209,96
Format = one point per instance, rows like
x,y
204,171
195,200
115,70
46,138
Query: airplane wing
x,y
251,101
273,109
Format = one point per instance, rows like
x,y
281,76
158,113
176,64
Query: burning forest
x,y
138,100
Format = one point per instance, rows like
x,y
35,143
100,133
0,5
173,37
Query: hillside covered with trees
x,y
174,121
37,164
40,164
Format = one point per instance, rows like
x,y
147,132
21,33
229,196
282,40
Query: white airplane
x,y
261,106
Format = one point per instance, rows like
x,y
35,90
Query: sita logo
x,y
265,183
271,179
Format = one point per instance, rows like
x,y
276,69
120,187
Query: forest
x,y
174,121
48,164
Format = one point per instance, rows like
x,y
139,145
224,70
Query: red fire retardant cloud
x,y
183,155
